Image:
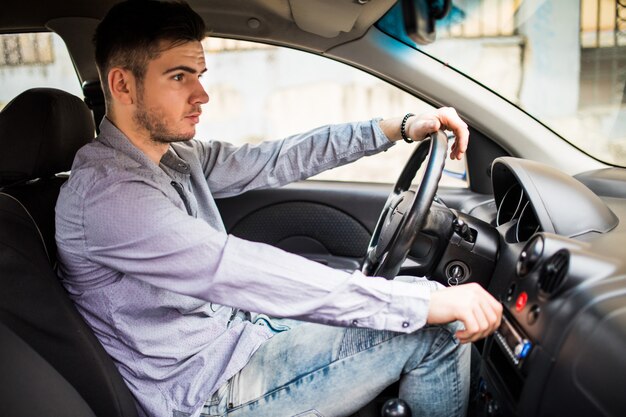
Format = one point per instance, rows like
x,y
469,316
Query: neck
x,y
153,150
141,139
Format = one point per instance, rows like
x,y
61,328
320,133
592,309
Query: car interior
x,y
35,308
540,230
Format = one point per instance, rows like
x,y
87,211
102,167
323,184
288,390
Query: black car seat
x,y
34,387
40,131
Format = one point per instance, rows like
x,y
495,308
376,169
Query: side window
x,y
29,60
261,92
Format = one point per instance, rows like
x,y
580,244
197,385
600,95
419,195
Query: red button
x,y
521,301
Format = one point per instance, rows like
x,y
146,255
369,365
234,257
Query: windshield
x,y
562,61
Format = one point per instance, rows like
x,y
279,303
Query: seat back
x,y
40,131
32,386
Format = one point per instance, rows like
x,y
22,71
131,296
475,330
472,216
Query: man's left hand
x,y
419,127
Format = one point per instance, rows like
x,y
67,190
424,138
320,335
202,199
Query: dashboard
x,y
560,274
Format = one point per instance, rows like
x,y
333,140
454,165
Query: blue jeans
x,y
316,370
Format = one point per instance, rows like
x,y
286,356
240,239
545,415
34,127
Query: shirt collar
x,y
115,138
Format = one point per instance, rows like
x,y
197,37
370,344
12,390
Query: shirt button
x,y
355,322
405,324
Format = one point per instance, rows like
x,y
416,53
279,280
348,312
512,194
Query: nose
x,y
200,95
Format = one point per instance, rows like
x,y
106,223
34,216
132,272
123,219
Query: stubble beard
x,y
152,119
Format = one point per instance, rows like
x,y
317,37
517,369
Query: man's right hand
x,y
471,305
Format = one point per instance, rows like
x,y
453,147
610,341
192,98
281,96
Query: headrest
x,y
40,131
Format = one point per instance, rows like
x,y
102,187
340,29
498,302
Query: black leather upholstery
x,y
40,132
33,387
33,303
39,199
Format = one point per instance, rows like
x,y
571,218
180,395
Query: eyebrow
x,y
184,68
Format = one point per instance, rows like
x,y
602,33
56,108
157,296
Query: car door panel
x,y
330,222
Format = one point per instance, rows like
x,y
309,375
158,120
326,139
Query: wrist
x,y
391,128
403,128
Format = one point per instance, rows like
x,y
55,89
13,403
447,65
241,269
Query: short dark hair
x,y
131,32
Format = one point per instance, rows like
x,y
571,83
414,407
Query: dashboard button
x,y
522,349
510,292
521,301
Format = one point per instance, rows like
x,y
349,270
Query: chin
x,y
189,136
182,138
183,135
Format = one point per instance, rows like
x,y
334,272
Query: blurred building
x,y
570,74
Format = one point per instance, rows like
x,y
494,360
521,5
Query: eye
x,y
178,77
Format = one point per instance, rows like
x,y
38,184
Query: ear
x,y
122,85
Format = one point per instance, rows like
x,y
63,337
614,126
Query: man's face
x,y
169,99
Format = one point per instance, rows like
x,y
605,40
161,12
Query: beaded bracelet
x,y
403,126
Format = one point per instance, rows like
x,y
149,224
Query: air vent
x,y
554,272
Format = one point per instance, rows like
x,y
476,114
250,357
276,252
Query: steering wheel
x,y
405,211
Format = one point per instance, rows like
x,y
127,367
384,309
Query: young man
x,y
146,258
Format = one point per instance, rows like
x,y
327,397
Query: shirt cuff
x,y
408,309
